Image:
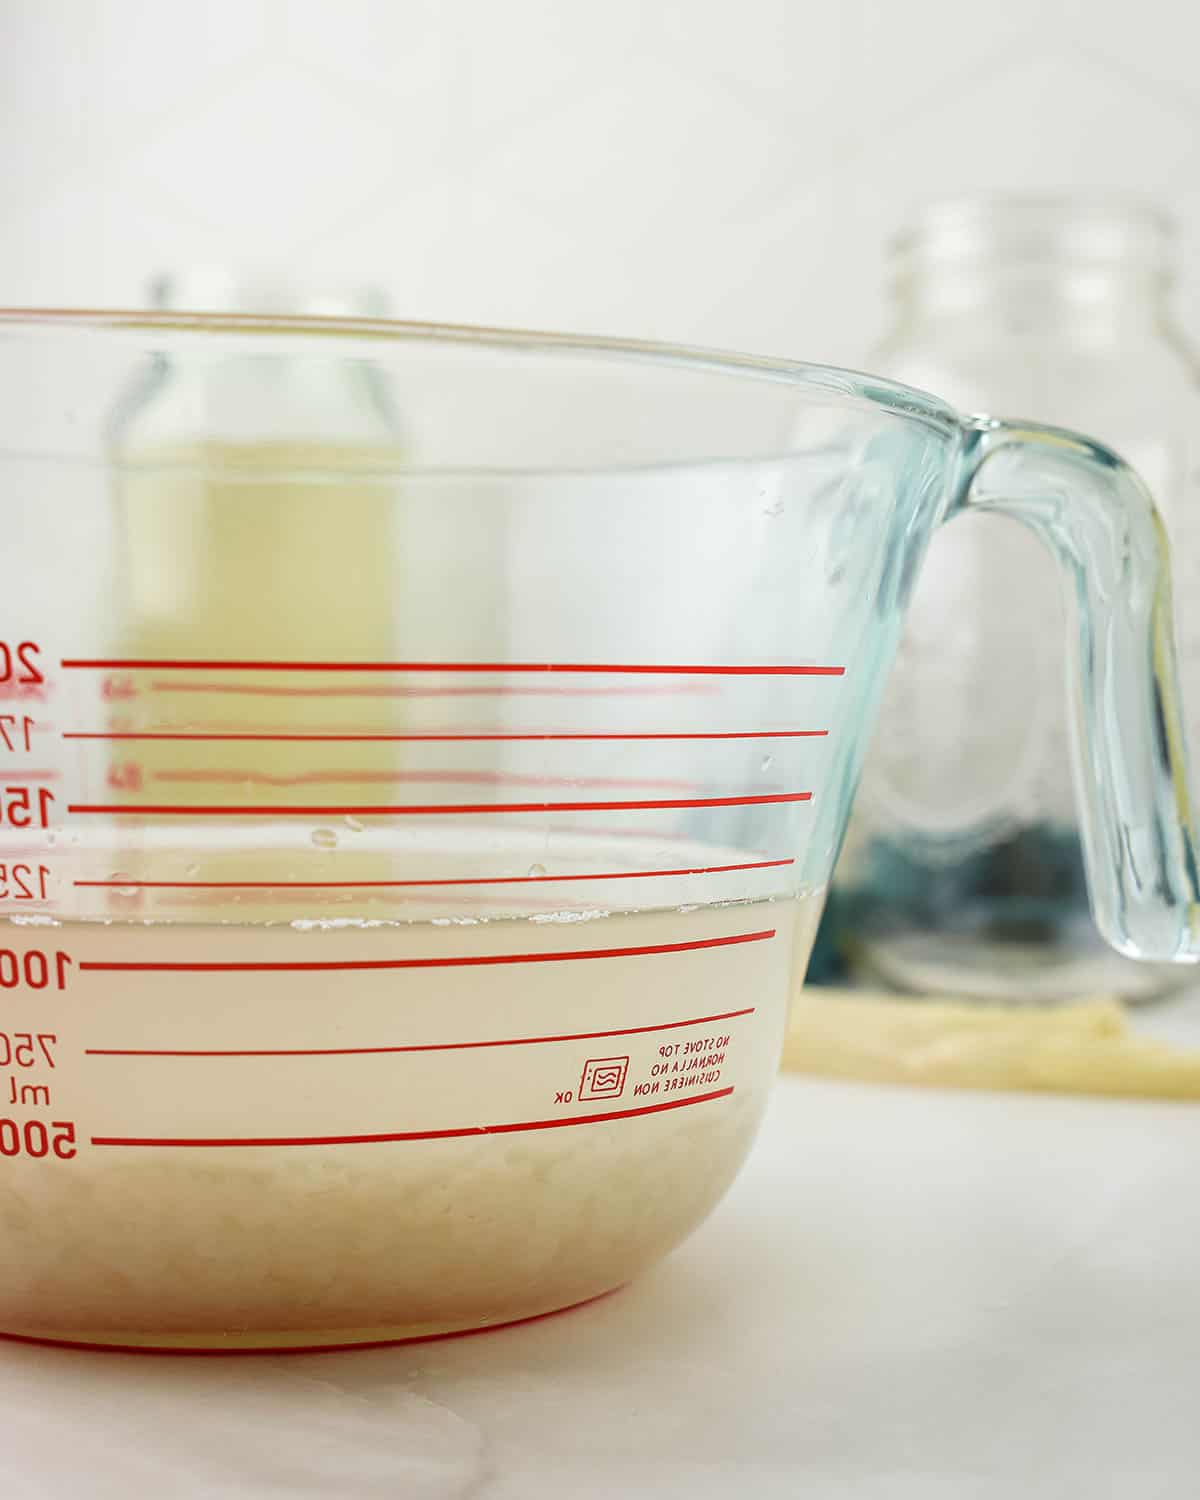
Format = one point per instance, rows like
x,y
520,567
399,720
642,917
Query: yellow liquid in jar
x,y
274,552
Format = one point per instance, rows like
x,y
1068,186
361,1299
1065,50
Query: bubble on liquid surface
x,y
324,838
123,883
569,916
767,762
192,871
335,924
536,871
354,824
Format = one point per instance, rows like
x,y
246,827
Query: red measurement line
x,y
439,777
23,775
441,739
459,962
688,686
326,885
512,1041
409,1135
417,809
202,664
336,899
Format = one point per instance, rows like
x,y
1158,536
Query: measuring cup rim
x,y
855,385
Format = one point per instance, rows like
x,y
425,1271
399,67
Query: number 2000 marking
x,y
18,664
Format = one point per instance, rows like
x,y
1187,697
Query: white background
x,y
711,171
999,1300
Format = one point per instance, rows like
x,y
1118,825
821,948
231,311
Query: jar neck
x,y
282,396
1032,299
1022,265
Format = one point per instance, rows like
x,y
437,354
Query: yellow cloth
x,y
1083,1048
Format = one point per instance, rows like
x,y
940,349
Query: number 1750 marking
x,y
16,733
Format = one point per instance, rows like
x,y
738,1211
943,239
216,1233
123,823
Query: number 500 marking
x,y
34,1139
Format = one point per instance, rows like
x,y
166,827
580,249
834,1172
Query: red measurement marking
x,y
370,725
644,668
207,777
335,901
417,809
24,775
512,1041
471,961
325,885
447,738
690,687
410,1135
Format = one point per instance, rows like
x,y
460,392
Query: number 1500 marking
x,y
23,807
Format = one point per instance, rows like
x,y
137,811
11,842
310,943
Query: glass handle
x,y
1127,739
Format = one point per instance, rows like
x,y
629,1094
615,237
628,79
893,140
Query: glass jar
x,y
215,532
962,871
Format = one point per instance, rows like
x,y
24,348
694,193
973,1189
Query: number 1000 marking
x,y
33,969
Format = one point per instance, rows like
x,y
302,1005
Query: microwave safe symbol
x,y
603,1078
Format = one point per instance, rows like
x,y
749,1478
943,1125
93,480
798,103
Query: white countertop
x,y
907,1294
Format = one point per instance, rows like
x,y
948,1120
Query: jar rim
x,y
1095,229
217,288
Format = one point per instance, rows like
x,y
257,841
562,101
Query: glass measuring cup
x,y
355,989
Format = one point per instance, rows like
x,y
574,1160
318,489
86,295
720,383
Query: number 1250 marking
x,y
24,882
